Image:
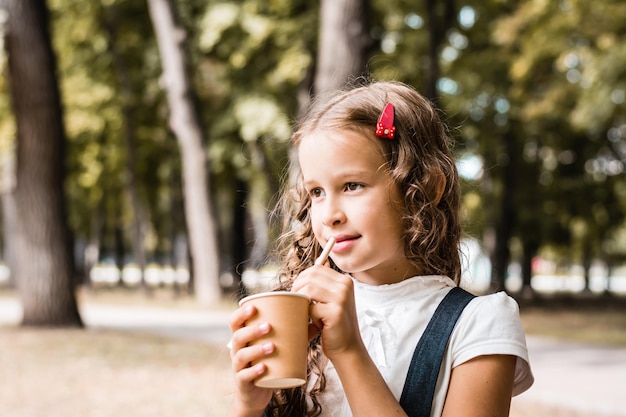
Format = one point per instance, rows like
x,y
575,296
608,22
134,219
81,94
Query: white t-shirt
x,y
392,319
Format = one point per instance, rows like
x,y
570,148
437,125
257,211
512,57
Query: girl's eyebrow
x,y
343,174
353,173
342,178
347,176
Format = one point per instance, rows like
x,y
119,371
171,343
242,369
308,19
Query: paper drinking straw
x,y
321,260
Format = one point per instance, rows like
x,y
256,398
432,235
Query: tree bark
x,y
45,257
343,43
530,250
110,22
437,28
504,226
186,125
9,215
240,247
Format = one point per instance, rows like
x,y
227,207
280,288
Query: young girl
x,y
377,174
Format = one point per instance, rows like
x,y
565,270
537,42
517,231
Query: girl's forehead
x,y
340,139
340,149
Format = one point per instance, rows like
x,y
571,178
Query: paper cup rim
x,y
272,293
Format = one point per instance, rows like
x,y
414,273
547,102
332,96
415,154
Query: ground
x,y
88,373
78,373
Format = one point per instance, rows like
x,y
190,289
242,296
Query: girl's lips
x,y
344,243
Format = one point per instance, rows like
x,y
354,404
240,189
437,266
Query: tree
x,y
254,56
343,43
439,22
111,23
45,262
568,91
186,125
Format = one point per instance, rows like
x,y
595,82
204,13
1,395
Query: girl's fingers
x,y
248,375
243,351
323,284
242,358
242,334
333,310
240,350
245,335
240,316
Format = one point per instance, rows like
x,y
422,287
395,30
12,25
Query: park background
x,y
142,144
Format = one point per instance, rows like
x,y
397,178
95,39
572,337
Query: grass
x,y
78,373
596,319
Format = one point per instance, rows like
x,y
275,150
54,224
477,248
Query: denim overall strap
x,y
419,387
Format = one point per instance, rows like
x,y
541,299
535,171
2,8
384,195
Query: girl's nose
x,y
334,214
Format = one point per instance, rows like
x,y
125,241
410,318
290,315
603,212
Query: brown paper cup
x,y
288,315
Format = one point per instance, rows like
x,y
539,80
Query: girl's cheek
x,y
314,223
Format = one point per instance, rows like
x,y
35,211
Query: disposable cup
x,y
288,315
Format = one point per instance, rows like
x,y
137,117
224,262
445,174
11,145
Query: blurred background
x,y
142,143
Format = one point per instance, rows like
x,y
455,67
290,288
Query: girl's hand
x,y
332,311
249,399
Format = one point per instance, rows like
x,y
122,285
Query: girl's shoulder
x,y
492,316
491,325
499,302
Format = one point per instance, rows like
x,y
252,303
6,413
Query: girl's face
x,y
354,199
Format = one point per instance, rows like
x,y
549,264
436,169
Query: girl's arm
x,y
333,313
366,390
481,387
478,388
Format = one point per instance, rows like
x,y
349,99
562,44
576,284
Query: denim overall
x,y
419,388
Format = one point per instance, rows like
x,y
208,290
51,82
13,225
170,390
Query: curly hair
x,y
421,163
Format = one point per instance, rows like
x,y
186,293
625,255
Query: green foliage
x,y
549,76
536,84
567,77
92,41
7,122
559,67
252,57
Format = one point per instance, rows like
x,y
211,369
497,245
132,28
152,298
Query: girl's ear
x,y
439,186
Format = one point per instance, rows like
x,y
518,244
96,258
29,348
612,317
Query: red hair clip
x,y
385,127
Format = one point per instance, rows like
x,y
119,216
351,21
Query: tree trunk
x,y
9,215
94,243
343,43
587,258
186,125
530,250
178,234
240,247
128,132
437,29
44,255
501,255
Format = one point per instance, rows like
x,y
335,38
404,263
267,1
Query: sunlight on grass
x,y
81,373
606,326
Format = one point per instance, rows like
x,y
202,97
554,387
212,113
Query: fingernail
x,y
264,327
248,309
267,347
259,369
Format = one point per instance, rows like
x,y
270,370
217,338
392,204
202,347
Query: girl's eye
x,y
353,186
316,192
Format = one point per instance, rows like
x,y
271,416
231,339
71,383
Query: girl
x,y
377,174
